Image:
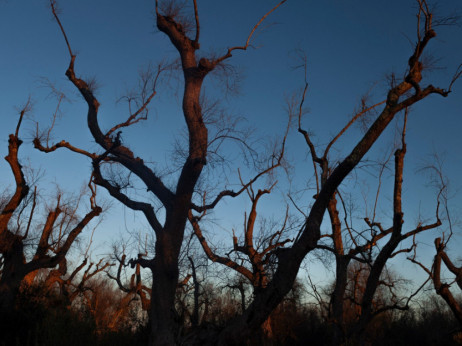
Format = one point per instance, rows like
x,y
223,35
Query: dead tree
x,y
249,259
239,285
372,246
196,294
74,285
177,202
441,286
55,235
133,290
192,297
401,95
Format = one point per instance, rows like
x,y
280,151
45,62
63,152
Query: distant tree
x,y
133,290
77,283
86,293
192,300
254,257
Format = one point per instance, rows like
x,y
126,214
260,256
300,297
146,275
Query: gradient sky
x,y
351,46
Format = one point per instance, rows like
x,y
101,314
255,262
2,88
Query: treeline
x,y
96,317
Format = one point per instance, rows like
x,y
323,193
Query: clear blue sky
x,y
351,47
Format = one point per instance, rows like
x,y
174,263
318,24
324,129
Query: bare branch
x,y
135,116
196,16
115,192
55,14
247,43
355,117
62,144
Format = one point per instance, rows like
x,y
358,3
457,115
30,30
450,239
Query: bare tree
x,y
368,246
400,96
442,288
177,202
133,290
441,285
52,239
77,283
253,258
192,299
373,246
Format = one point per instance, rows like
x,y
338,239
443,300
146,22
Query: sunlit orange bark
x,y
16,269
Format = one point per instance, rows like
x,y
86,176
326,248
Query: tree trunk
x,y
337,317
12,272
240,329
9,289
267,332
29,278
165,273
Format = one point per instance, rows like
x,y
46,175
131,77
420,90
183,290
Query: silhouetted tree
x,y
77,283
177,202
55,235
441,286
401,95
254,257
361,255
133,290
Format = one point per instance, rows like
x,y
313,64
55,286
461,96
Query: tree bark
x,y
164,322
341,276
12,272
442,289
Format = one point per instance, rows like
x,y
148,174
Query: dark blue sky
x,y
351,46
